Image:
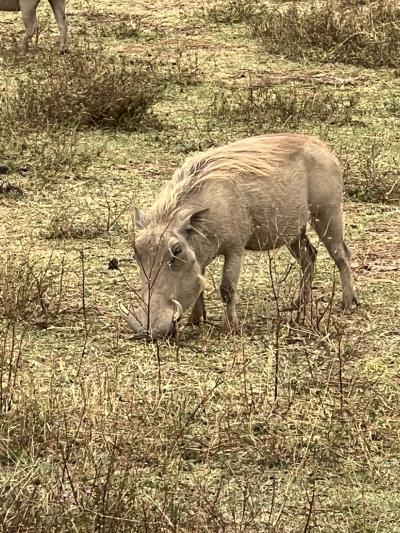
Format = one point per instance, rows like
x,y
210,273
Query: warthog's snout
x,y
145,327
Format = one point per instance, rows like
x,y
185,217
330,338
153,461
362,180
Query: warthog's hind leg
x,y
329,226
306,254
199,312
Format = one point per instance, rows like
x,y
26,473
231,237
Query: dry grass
x,y
291,425
87,218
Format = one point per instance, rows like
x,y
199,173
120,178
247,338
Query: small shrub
x,y
69,225
84,88
9,189
366,35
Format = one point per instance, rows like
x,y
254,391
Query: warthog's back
x,y
259,191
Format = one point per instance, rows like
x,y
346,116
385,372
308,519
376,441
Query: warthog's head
x,y
170,274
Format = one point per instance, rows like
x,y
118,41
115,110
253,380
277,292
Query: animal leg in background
x,y
328,224
305,253
58,7
230,279
29,18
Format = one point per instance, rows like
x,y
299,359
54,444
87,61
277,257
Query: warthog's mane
x,y
254,156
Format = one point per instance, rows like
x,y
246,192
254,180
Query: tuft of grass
x,y
84,88
366,34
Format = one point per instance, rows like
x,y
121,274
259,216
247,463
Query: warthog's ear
x,y
140,219
191,221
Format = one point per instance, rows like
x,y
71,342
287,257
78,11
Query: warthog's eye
x,y
175,250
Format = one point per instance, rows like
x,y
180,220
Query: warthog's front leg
x,y
198,312
230,279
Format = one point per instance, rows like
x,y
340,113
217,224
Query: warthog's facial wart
x,y
170,277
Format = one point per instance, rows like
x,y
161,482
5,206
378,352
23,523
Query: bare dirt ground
x,y
289,426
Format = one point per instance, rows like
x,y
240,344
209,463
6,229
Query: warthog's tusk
x,y
178,311
130,317
123,310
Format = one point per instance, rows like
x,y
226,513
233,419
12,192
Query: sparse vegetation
x,y
127,28
371,175
272,108
292,424
48,156
87,218
366,33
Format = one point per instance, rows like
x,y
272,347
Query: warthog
x,y
254,194
28,10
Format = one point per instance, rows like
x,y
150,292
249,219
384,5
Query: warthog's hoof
x,y
349,307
